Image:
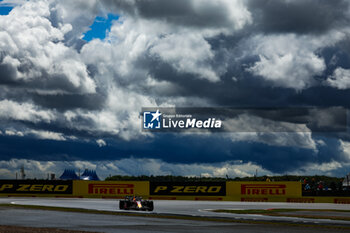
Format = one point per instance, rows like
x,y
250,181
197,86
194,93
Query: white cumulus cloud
x,y
24,112
101,142
339,79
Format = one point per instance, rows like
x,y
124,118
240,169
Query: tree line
x,y
168,178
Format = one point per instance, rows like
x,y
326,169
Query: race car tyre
x,y
127,205
121,204
150,206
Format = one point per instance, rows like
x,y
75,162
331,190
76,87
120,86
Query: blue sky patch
x,y
100,26
5,10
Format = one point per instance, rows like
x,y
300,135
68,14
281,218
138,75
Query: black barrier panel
x,y
36,186
326,193
188,188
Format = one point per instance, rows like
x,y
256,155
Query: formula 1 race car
x,y
135,203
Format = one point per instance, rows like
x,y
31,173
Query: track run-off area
x,y
181,209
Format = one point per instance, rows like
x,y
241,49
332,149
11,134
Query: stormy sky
x,y
74,76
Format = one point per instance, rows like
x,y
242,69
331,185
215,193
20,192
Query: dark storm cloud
x,y
173,149
57,83
16,91
47,90
229,57
247,90
65,102
182,12
269,16
336,56
300,16
7,74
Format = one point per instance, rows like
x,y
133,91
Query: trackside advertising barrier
x,y
263,191
188,190
110,189
218,191
35,187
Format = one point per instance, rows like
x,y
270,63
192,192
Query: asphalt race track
x,y
109,223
